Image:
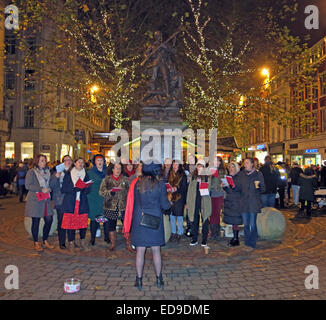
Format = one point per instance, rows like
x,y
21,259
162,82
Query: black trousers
x,y
72,234
304,206
195,223
94,226
22,191
46,229
61,232
279,203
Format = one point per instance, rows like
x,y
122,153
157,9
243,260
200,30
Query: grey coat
x,y
57,196
35,208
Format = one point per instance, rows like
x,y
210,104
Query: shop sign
x,y
252,148
46,147
311,151
261,147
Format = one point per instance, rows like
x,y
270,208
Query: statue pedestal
x,y
164,125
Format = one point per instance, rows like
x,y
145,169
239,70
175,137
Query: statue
x,y
166,83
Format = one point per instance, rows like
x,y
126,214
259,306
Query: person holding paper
x,y
178,195
75,204
95,201
114,190
252,186
56,182
199,203
217,195
232,202
37,184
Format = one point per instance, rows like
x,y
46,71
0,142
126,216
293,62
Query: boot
x,y
159,281
178,238
71,247
128,246
84,245
38,247
47,245
235,240
113,240
139,283
92,242
214,231
173,237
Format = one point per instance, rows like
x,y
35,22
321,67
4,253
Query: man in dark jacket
x,y
323,175
21,174
271,178
294,176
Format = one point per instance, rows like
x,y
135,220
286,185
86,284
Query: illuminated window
x,y
27,150
10,150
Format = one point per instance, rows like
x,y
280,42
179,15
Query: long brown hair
x,y
37,160
147,183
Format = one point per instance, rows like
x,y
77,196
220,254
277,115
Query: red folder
x,y
82,185
42,196
230,181
168,187
203,185
116,189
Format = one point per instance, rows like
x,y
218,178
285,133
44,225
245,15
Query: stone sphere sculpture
x,y
28,225
270,224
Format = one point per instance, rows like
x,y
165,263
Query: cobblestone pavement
x,y
274,271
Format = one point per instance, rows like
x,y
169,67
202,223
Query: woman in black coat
x,y
308,183
147,194
252,186
178,197
232,203
75,205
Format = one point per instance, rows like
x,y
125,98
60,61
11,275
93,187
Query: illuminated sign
x,y
260,147
311,151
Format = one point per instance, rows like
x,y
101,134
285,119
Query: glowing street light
x,y
265,73
93,90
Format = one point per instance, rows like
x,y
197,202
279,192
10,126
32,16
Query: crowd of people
x,y
191,194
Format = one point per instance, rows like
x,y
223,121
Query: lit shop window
x,y
10,150
110,156
64,150
27,150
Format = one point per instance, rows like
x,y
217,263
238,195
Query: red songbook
x,y
230,181
42,196
82,185
168,187
116,189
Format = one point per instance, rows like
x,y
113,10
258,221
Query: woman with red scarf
x,y
114,190
129,170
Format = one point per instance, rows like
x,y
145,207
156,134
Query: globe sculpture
x,y
270,224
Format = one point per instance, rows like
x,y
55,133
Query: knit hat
x,y
202,162
152,169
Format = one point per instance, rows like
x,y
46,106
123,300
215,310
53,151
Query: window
x,y
27,150
10,150
29,80
278,133
28,117
10,80
64,150
10,42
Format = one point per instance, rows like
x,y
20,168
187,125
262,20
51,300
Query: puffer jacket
x,y
307,184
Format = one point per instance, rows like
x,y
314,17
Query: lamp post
x,y
93,90
266,74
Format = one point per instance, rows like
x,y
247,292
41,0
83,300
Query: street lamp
x,y
93,90
265,73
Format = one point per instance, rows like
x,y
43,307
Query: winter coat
x,y
21,175
295,174
35,208
307,184
95,200
69,191
115,199
271,178
57,195
323,176
232,203
153,202
215,189
180,195
250,196
206,203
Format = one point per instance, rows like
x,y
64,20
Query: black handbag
x,y
148,220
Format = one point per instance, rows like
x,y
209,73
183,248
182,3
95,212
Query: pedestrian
x,y
95,200
138,171
128,169
232,203
252,186
147,197
294,176
308,183
38,202
21,175
271,177
178,196
114,189
75,205
166,169
56,182
323,175
218,172
281,185
199,203
4,181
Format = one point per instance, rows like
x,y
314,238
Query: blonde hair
x,y
236,166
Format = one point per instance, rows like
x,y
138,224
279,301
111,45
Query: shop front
x,y
276,151
306,158
257,151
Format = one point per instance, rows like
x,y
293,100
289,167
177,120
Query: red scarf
x,y
129,209
116,179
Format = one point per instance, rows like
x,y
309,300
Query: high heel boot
x,y
139,283
159,281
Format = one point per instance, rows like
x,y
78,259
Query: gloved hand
x,y
112,193
77,189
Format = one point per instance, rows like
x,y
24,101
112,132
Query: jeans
x,y
95,225
72,234
295,192
268,200
250,229
61,232
46,229
176,220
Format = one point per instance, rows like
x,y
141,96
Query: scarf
x,y
101,174
129,209
75,176
43,177
62,175
250,172
116,179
